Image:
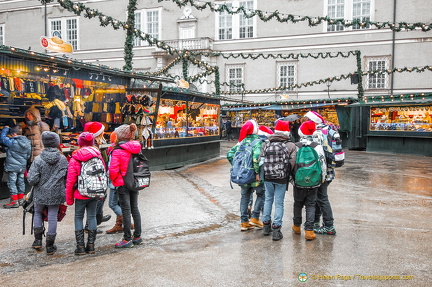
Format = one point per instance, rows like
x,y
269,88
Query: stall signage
x,y
55,44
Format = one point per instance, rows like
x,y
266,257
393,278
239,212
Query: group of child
x,y
55,179
272,179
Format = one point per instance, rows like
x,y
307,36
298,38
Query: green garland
x,y
130,35
255,56
312,21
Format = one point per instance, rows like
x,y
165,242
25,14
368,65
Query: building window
x,y
336,10
234,77
67,28
235,26
2,34
349,10
377,80
149,22
286,75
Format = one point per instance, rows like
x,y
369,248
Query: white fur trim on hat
x,y
315,117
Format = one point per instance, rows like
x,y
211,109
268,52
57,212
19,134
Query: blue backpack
x,y
242,170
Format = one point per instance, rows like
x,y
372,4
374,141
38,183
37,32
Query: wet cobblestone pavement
x,y
381,204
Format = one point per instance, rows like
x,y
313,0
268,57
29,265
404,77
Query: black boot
x,y
277,234
51,248
38,232
101,218
267,228
90,242
79,236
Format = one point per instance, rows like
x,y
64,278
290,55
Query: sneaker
x,y
137,240
124,244
246,226
316,225
267,228
256,222
329,230
296,229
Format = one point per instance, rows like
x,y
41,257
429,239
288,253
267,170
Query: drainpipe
x,y
393,49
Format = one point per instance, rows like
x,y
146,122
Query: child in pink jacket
x,y
128,199
82,203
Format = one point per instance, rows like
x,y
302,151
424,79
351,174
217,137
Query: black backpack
x,y
137,176
276,160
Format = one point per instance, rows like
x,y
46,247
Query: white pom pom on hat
x,y
315,117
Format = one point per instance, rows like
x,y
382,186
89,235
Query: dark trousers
x,y
304,197
129,204
323,206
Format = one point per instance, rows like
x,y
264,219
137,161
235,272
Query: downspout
x,y
393,49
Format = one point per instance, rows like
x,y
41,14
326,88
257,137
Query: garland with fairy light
x,y
312,21
255,56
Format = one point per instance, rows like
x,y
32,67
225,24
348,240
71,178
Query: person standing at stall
x,y
47,174
34,129
17,155
128,199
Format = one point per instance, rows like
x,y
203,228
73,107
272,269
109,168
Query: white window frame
x,y
377,81
2,34
64,31
290,78
348,14
238,78
232,24
143,24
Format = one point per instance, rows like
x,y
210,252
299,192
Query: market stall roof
x,y
65,62
395,100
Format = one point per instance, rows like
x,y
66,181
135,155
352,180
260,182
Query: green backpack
x,y
307,171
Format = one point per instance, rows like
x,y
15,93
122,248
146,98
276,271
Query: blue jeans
x,y
52,217
113,202
246,193
82,205
129,205
323,206
274,192
16,182
304,197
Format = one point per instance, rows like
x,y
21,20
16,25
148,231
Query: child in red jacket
x,y
128,199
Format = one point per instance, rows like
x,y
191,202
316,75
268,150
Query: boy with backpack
x,y
325,136
309,173
278,156
86,184
128,198
18,153
244,158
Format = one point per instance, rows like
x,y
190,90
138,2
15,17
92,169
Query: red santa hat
x,y
282,127
307,129
264,131
250,127
315,117
95,128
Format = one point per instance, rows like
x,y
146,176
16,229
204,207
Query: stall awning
x,y
300,106
392,103
235,109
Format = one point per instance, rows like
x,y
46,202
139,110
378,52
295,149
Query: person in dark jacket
x,y
48,176
17,155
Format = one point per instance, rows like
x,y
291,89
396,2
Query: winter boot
x,y
13,202
267,228
310,235
79,236
101,218
90,242
20,198
38,232
51,248
118,227
277,234
296,229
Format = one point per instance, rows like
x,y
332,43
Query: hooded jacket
x,y
74,170
33,131
18,152
120,160
48,176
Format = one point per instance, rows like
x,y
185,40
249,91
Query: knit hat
x,y
315,117
113,137
50,139
250,127
307,129
95,128
264,131
282,127
86,139
125,132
